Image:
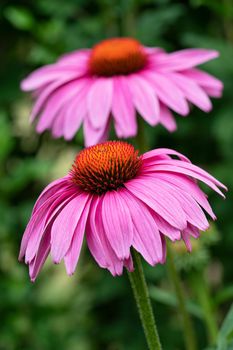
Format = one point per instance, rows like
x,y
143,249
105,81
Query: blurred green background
x,y
92,310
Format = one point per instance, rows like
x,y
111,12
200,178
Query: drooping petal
x,y
192,91
37,219
45,95
117,223
167,92
186,239
58,101
204,79
43,251
128,263
167,119
98,243
43,217
164,247
64,226
52,188
193,212
186,184
123,109
96,240
162,202
76,111
94,136
48,74
57,126
73,253
99,101
144,99
165,228
186,168
146,238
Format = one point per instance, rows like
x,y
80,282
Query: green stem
x,y
140,290
203,293
189,335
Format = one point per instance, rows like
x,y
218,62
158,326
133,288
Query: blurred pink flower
x,y
121,200
114,80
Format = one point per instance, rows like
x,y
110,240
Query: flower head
x,y
122,201
112,81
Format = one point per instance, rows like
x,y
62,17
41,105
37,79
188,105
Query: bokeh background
x,y
92,310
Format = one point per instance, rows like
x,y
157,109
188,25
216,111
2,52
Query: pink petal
x,y
45,94
57,103
187,185
162,202
64,226
186,239
167,119
204,79
192,91
73,253
123,109
99,101
168,92
128,263
117,223
184,59
151,156
144,99
48,74
192,171
58,124
212,92
93,136
51,189
42,219
164,247
78,58
192,167
193,231
38,262
97,241
37,220
165,228
194,213
146,238
76,112
152,51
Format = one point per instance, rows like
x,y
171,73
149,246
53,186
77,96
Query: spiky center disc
x,y
105,167
117,56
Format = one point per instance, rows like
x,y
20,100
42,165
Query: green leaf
x,y
19,17
6,140
169,299
225,337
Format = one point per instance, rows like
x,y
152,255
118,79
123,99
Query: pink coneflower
x,y
122,201
114,80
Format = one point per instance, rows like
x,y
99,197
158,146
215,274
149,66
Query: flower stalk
x,y
201,288
189,335
141,294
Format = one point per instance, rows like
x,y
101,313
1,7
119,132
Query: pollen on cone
x,y
117,56
105,166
